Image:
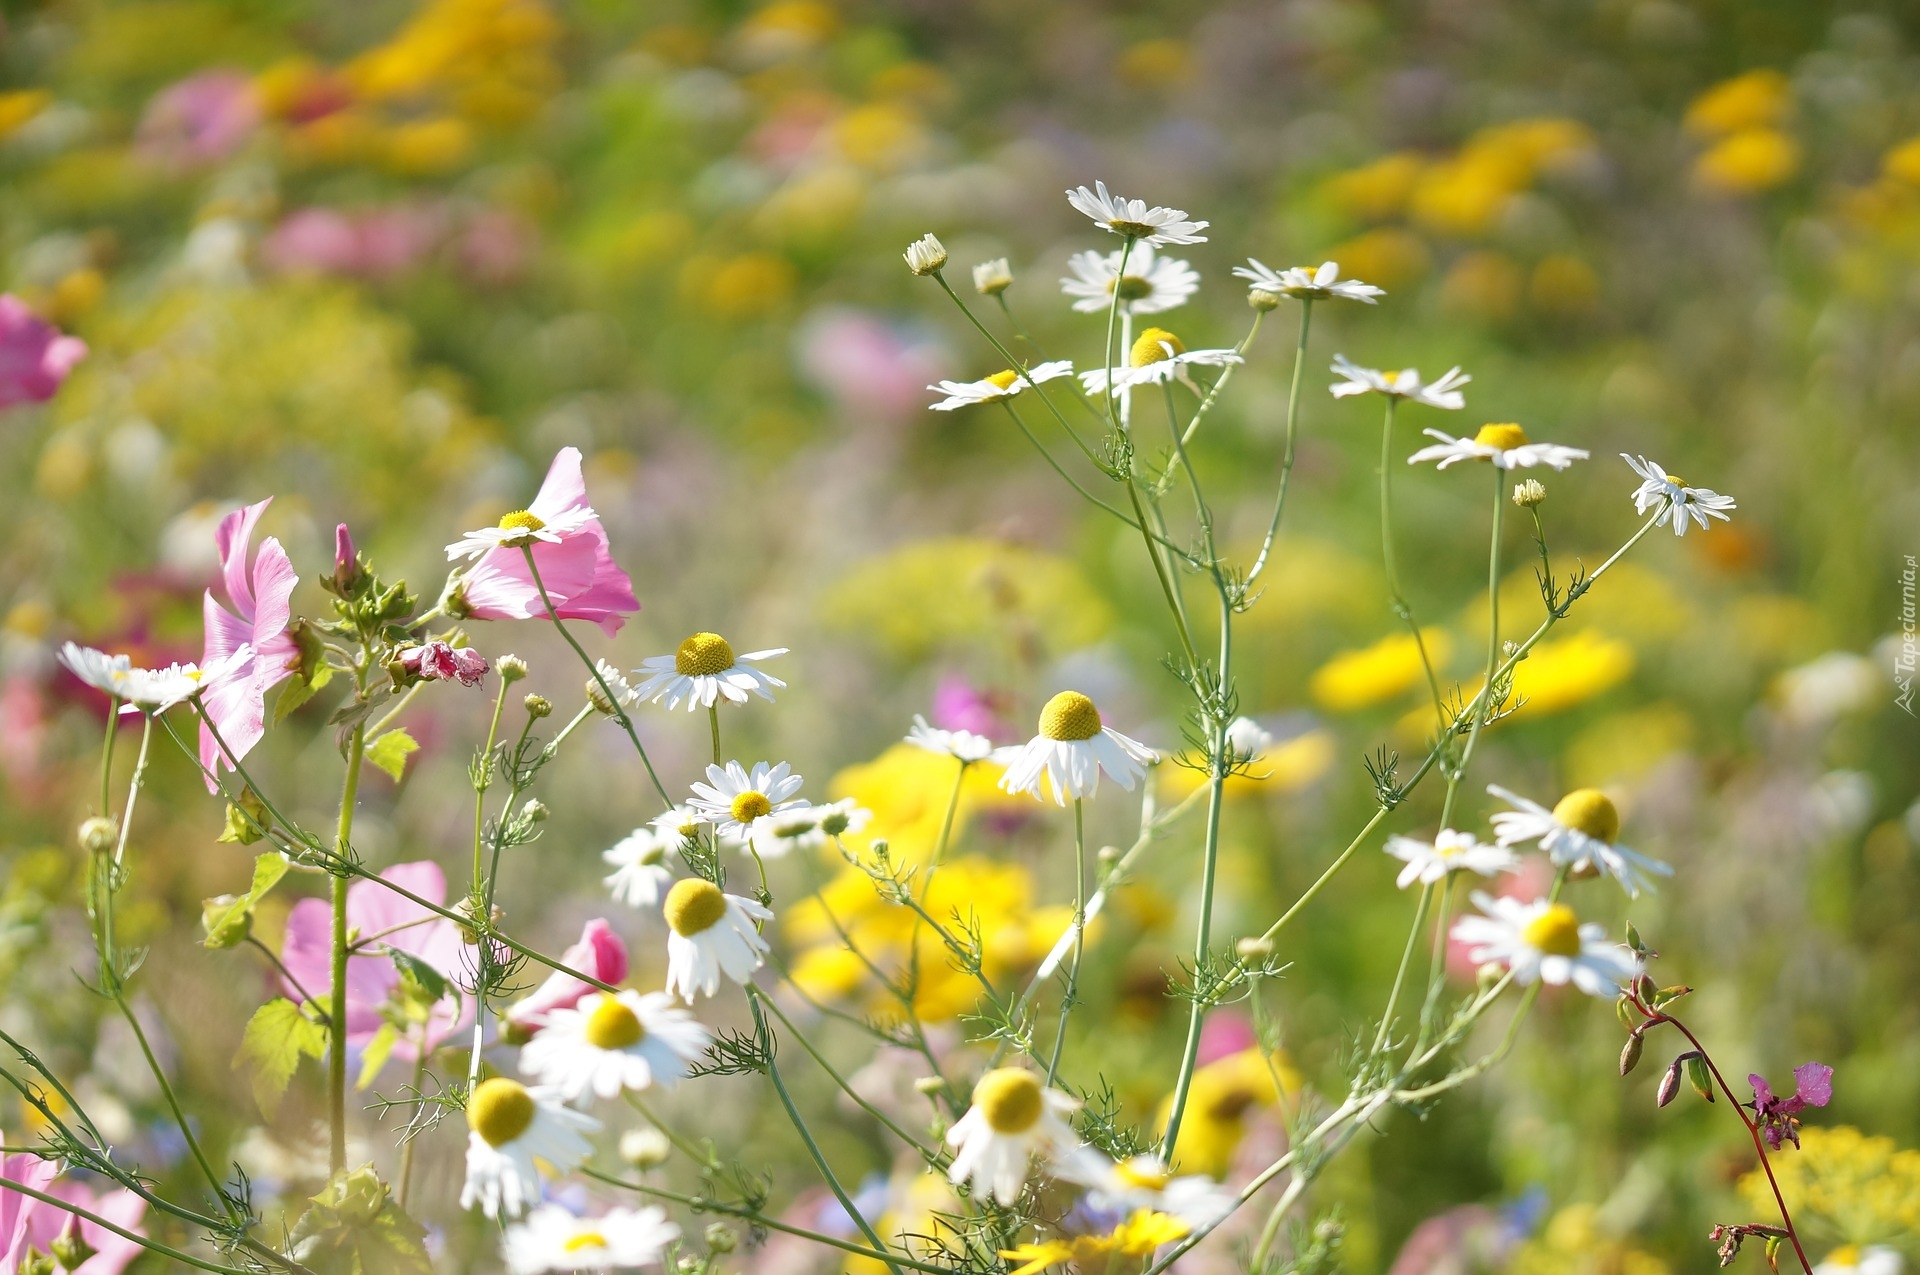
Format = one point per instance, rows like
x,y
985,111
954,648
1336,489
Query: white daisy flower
x,y
613,1043
509,1127
545,519
1304,283
1545,942
1406,383
996,387
641,875
710,933
616,682
702,671
1682,502
1013,1117
991,278
152,689
1157,356
552,1239
1145,1182
808,827
1151,285
1577,834
737,801
1852,1259
1505,445
962,745
1248,738
1429,862
925,255
1071,750
1156,227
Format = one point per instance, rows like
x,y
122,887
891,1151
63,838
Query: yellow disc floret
x,y
522,520
612,1025
1555,932
1004,380
1131,287
703,655
694,906
1143,1171
1156,345
1501,436
1009,1098
584,1240
499,1110
750,805
1068,716
1590,811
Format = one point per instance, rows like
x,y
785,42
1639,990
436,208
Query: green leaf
x,y
299,690
228,918
1699,1077
374,1057
246,819
277,1036
390,753
355,1228
431,980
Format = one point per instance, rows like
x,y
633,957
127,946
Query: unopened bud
x,y
879,846
1487,975
1108,854
349,576
1254,948
835,822
925,255
720,1237
70,1248
97,835
1529,493
689,1264
1263,301
511,668
1630,1053
1669,1084
538,706
991,278
35,1263
535,811
929,1084
645,1148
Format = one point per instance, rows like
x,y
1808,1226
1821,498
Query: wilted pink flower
x,y
438,662
599,953
200,120
261,609
35,357
578,570
1812,1087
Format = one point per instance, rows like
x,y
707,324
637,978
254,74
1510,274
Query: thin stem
x,y
713,718
1190,1055
1487,705
483,780
1079,934
173,1101
931,1156
1400,607
1047,456
106,757
1406,960
274,960
87,1215
1286,460
337,1015
406,1144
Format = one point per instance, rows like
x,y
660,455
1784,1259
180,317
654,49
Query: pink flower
x,y
599,953
112,1253
202,119
261,609
35,357
874,370
438,662
1812,1087
377,243
385,922
959,705
577,568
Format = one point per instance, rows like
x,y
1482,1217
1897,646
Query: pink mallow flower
x,y
1812,1087
261,608
569,547
35,356
438,662
384,922
27,1223
599,953
200,120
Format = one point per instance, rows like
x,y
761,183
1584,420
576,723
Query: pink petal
x,y
1813,1083
565,487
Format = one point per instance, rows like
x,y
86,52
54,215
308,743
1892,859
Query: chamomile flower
x,y
1305,283
704,670
991,278
680,825
993,388
1157,356
1151,284
1405,384
1013,1117
925,255
640,874
539,521
1504,444
808,827
510,1126
736,801
623,692
151,689
1430,862
551,1240
1545,942
1577,834
1145,1182
1155,227
962,745
1071,750
1682,502
710,933
1852,1259
608,1044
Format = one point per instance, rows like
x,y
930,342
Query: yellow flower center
x,y
612,1025
1156,345
1004,380
751,805
585,1239
1555,932
1589,810
703,655
1501,437
1009,1098
1676,480
499,1110
1131,229
1069,715
1845,1255
694,906
1143,1171
522,520
1390,379
1131,287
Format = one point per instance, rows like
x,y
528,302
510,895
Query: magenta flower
x,y
35,356
261,609
28,1223
1812,1087
384,922
599,953
569,547
201,120
438,662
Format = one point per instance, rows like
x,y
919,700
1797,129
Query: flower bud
x,y
1630,1053
1108,854
689,1264
511,668
1263,301
1487,975
98,834
69,1247
1254,948
349,576
35,1263
834,822
929,1084
645,1148
925,255
512,1031
538,706
1669,1084
991,278
1529,493
535,811
720,1237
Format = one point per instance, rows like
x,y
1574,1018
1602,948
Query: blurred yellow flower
x,y
1284,766
21,105
425,147
1902,163
880,135
1572,1243
1389,256
1222,1094
1155,64
1858,1189
1559,674
738,287
1465,196
1563,284
1138,1236
907,788
490,59
815,207
1389,668
787,29
1486,285
1753,99
1623,746
1748,162
1375,192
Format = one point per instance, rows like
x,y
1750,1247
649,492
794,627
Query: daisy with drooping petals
x,y
521,529
640,875
1071,750
1430,862
612,1043
1152,283
962,745
993,388
1404,384
738,801
510,1126
1682,502
808,827
1545,942
703,671
154,690
1145,1182
1505,445
1577,834
1155,227
710,933
1013,1117
553,1240
260,595
1305,283
1158,356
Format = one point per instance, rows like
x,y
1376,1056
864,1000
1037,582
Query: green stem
x,y
173,1101
1286,461
106,757
1406,960
1487,705
926,1153
1400,607
1079,934
337,1013
483,780
713,718
87,1215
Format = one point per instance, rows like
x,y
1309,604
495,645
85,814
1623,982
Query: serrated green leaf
x,y
277,1037
227,917
375,1056
299,690
355,1228
390,753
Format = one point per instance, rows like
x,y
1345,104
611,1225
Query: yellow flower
x,y
423,147
1285,766
1573,1243
1486,285
908,788
1859,1189
1138,1236
1375,192
1755,99
1565,285
1155,64
1222,1093
1748,162
1389,256
880,135
21,105
1902,163
738,287
1560,674
1624,746
1387,669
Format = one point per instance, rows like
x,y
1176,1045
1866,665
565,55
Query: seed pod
x,y
1698,1076
1630,1053
1669,1084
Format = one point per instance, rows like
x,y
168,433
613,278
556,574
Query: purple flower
x,y
35,357
1812,1087
438,662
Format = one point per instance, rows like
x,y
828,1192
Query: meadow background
x,y
381,260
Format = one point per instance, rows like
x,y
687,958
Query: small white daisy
x,y
552,1239
1852,1259
1304,283
1406,383
996,387
1151,285
962,745
925,255
991,278
738,801
1577,834
1429,862
808,827
640,874
1682,502
617,682
1156,227
612,1043
1071,750
1013,1117
1545,942
1145,1182
1247,738
704,670
1505,445
542,520
153,689
510,1126
680,825
1157,356
710,933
